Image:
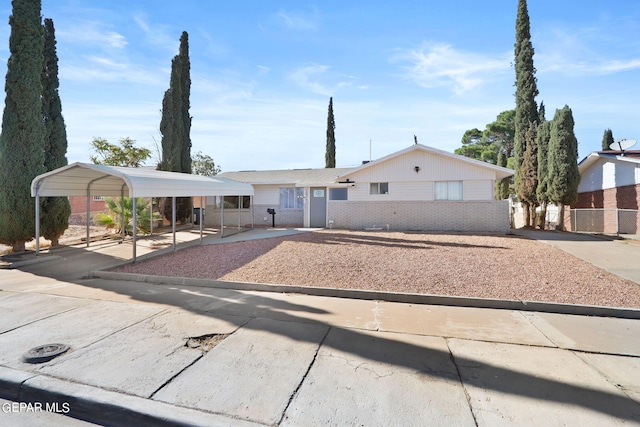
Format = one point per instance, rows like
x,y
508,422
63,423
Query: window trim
x,y
298,198
331,191
448,198
378,187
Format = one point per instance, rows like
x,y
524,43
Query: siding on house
x,y
433,167
609,172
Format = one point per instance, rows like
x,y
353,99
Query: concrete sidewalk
x,y
145,354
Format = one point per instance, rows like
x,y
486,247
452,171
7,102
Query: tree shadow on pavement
x,y
382,349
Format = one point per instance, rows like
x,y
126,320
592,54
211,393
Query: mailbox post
x,y
272,212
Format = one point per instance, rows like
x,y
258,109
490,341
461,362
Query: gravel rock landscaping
x,y
481,266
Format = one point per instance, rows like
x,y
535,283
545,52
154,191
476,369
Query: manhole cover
x,y
44,353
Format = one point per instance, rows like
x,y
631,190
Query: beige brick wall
x,y
284,217
485,216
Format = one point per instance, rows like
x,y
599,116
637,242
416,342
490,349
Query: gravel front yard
x,y
501,267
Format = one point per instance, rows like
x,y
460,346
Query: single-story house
x,y
609,192
418,188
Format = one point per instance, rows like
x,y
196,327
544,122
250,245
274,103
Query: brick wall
x,y
284,217
484,216
606,219
79,209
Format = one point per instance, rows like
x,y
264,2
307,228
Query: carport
x,y
87,179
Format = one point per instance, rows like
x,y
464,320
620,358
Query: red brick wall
x,y
79,205
627,197
608,220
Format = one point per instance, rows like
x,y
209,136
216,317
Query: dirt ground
x,y
482,266
73,234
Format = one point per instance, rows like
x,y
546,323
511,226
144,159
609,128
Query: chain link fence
x,y
610,221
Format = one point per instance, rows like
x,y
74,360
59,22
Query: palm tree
x,y
120,207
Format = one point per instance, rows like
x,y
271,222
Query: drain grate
x,y
205,342
44,353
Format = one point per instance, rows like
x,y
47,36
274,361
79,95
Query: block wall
x,y
485,216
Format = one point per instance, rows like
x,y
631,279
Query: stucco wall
x,y
481,216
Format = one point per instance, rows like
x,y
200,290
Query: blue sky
x,y
262,72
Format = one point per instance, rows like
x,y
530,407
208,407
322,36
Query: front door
x,y
318,207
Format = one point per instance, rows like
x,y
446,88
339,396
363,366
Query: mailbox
x,y
272,212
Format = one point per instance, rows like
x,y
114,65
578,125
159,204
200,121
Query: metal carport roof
x,y
87,179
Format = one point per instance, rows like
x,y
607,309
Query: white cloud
x,y
308,77
298,21
91,33
589,50
439,64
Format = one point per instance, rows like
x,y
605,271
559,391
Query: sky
x,y
262,73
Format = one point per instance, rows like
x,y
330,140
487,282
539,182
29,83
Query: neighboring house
x,y
610,181
418,188
79,208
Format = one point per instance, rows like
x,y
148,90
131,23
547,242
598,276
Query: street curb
x,y
544,307
101,406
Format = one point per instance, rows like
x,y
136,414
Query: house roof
x,y
499,170
297,177
325,176
631,156
82,179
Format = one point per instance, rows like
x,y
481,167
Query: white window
x,y
379,188
448,190
291,198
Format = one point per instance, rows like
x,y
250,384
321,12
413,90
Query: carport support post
x,y
151,216
173,220
222,218
135,226
88,212
122,211
253,219
239,211
37,223
200,220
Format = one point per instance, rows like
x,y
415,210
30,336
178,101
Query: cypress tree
x,y
22,137
607,139
330,154
184,71
544,134
55,210
564,176
526,92
530,173
175,125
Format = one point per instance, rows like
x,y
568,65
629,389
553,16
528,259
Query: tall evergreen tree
x,y
526,92
330,154
544,135
607,139
175,125
55,210
564,176
22,137
529,170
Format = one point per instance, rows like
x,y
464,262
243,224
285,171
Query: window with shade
x,y
448,190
